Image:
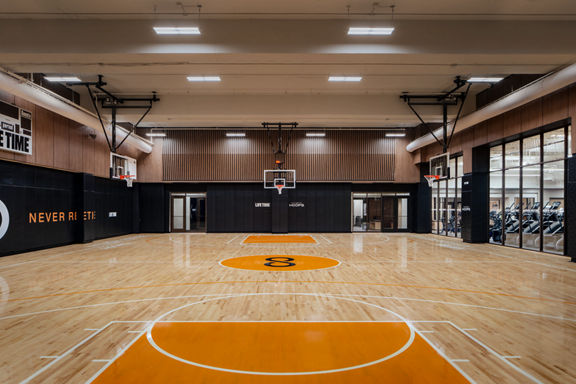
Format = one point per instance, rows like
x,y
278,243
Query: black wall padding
x,y
326,208
33,193
154,209
475,196
310,207
570,209
232,208
423,203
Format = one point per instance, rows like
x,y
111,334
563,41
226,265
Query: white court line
x,y
333,294
47,366
103,304
232,239
407,345
110,362
439,351
487,348
325,238
462,305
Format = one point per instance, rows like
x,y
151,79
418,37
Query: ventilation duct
x,y
44,98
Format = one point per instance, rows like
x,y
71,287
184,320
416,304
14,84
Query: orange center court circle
x,y
280,263
268,239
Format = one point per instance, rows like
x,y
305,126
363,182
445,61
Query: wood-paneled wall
x,y
546,110
61,143
340,156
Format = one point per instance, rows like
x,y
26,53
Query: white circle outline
x,y
388,357
5,215
284,270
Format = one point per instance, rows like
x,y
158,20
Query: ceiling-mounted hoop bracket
x,y
453,97
280,148
110,101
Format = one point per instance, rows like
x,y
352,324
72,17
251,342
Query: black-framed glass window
x,y
527,191
447,200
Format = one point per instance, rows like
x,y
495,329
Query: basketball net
x,y
430,179
279,187
129,180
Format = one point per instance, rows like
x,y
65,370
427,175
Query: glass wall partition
x,y
380,212
527,187
447,201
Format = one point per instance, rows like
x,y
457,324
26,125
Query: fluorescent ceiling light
x,y
315,134
63,79
156,134
366,31
203,78
235,134
177,30
395,135
350,79
485,79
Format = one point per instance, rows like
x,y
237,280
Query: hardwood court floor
x,y
391,308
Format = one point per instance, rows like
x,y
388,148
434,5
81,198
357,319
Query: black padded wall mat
x,y
311,207
43,208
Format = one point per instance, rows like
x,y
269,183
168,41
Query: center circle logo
x,y
280,263
4,219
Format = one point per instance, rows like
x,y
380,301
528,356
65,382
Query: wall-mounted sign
x,y
262,205
15,129
296,204
112,214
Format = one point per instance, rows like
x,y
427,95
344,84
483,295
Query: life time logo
x,y
4,219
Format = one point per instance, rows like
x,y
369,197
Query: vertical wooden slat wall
x,y
340,156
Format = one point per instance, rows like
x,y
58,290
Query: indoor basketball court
x,y
287,192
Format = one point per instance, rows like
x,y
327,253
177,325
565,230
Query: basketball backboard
x,y
122,166
439,166
279,179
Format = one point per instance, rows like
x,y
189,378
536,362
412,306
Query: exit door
x,y
188,212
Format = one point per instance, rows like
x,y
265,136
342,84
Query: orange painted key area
x,y
267,239
279,263
281,347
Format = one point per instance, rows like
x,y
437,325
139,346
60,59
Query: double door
x,y
188,212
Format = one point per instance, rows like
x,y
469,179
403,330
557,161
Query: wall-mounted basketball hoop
x,y
431,178
129,179
279,179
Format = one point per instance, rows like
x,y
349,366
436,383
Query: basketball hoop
x,y
279,184
129,179
430,179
